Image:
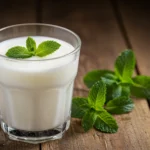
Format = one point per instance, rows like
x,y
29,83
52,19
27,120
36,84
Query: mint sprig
x,y
91,110
138,86
44,49
110,92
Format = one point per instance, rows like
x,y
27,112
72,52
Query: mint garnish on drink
x,y
18,52
31,44
45,48
110,93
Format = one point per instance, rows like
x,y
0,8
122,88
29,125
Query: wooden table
x,y
106,28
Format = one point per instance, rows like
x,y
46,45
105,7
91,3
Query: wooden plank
x,y
136,19
101,42
14,12
94,24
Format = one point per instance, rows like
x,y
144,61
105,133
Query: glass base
x,y
35,137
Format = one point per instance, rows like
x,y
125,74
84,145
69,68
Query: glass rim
x,y
76,49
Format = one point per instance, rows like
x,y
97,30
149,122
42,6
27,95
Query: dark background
x,y
70,12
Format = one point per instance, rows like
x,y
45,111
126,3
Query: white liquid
x,y
36,94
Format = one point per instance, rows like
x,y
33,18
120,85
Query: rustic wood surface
x,y
135,15
106,28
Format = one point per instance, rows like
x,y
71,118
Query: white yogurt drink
x,y
37,92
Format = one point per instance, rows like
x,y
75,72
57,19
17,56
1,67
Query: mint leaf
x,y
18,52
97,95
120,90
88,120
108,81
120,105
91,77
141,87
109,92
46,48
105,122
30,44
124,65
117,90
79,107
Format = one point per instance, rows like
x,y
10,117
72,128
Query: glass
x,y
35,105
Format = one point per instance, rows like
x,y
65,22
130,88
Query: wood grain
x,y
136,19
14,12
94,23
102,40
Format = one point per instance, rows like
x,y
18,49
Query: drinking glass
x,y
36,95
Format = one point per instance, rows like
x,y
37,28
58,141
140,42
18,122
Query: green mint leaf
x,y
124,65
141,87
120,90
108,81
88,120
97,95
91,77
18,52
30,44
117,90
46,48
79,107
105,122
120,105
109,92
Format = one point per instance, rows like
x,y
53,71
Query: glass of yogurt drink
x,y
36,92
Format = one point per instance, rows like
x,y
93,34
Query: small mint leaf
x,y
97,95
88,120
124,66
108,81
141,87
120,105
105,122
109,92
117,90
79,107
46,48
93,76
120,90
18,52
30,44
